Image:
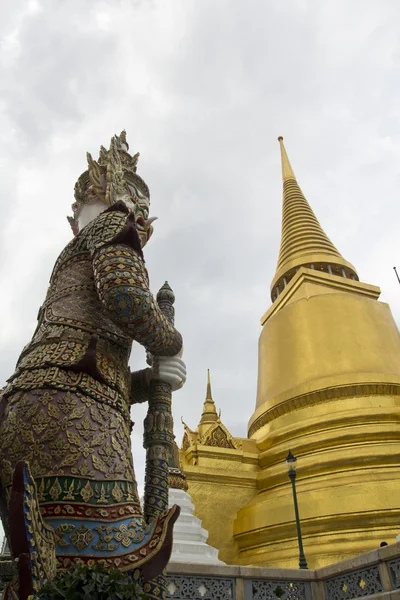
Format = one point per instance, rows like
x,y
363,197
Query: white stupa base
x,y
190,539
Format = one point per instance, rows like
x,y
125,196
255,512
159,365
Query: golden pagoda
x,y
221,472
328,389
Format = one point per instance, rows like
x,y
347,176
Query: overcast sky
x,y
203,88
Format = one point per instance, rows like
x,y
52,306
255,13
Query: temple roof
x,y
210,431
303,241
209,415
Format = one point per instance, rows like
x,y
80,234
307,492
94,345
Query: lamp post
x,y
291,465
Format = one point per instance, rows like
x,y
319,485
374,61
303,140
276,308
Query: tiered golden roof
x,y
209,415
303,242
210,431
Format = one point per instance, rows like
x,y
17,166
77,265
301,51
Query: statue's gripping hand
x,y
170,369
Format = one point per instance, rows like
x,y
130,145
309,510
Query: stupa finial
x,y
209,394
287,171
209,414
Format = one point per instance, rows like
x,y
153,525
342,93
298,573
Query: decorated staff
x,y
158,440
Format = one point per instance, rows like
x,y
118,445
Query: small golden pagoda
x,y
328,389
221,472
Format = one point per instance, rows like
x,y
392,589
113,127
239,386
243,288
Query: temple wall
x,y
220,481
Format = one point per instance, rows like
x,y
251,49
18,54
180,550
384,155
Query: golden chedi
x,y
328,389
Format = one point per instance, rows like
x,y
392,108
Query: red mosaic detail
x,y
77,511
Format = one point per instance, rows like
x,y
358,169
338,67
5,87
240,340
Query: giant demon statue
x,y
65,413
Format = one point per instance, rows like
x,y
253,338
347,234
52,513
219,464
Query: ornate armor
x,y
65,411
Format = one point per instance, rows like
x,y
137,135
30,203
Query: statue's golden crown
x,y
109,175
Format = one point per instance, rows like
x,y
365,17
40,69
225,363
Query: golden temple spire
x,y
287,171
209,414
303,243
208,394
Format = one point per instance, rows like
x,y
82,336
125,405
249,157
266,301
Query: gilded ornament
x,y
58,448
81,537
69,495
55,490
219,438
86,428
66,402
117,493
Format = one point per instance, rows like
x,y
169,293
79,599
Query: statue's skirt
x,y
79,454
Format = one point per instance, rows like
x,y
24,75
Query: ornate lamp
x,y
291,461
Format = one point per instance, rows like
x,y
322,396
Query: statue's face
x,y
139,203
134,199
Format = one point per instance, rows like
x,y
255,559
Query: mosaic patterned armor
x,y
66,409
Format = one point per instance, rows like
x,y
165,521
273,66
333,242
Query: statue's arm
x,y
140,386
122,284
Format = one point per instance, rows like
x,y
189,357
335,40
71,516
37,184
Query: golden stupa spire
x,y
287,171
209,394
209,414
303,241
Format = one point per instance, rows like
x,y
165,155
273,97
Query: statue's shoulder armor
x,y
75,247
116,225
